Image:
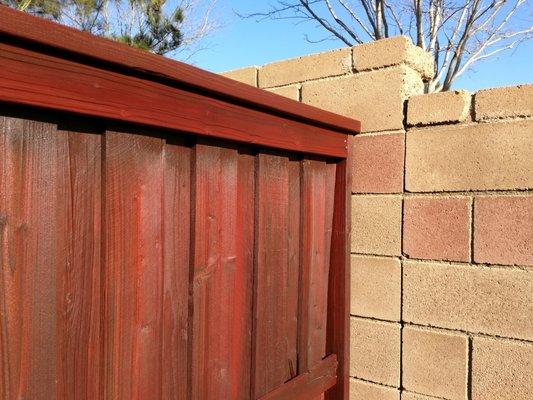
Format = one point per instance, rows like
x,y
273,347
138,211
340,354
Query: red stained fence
x,y
166,233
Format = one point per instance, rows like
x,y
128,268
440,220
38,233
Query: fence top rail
x,y
49,35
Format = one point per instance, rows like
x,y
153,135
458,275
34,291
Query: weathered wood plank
x,y
223,268
308,385
30,258
133,266
42,32
35,79
50,260
79,284
276,272
318,195
176,231
339,280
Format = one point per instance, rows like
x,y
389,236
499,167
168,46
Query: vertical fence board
x,y
79,285
176,228
276,276
5,350
293,284
50,214
32,253
339,279
223,268
318,195
134,265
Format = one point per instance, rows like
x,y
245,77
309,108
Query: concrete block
x,y
361,390
489,300
393,51
437,228
378,163
503,230
415,396
435,363
505,102
292,92
501,370
376,287
375,351
436,108
377,225
470,157
376,98
246,75
301,69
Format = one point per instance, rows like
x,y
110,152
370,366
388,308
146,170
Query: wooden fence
x,y
166,233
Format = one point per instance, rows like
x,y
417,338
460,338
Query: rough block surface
x,y
361,390
376,98
516,101
393,51
415,396
301,69
503,230
490,300
378,163
501,370
375,351
435,108
437,228
292,92
376,287
470,157
435,363
377,225
246,75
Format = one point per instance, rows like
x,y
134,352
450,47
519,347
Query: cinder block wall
x,y
442,239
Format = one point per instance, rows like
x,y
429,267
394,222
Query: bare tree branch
x,y
458,33
356,18
341,23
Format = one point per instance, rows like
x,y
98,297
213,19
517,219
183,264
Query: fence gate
x,y
166,233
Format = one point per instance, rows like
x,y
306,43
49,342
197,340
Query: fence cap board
x,y
22,26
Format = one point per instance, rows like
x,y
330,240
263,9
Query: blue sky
x,y
246,42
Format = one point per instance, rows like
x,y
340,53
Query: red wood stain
x,y
318,179
133,266
50,216
71,86
79,294
223,268
137,267
165,233
276,277
176,245
338,334
308,385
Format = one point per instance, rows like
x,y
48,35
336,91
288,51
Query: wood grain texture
x,y
309,384
276,272
129,259
133,266
318,194
223,269
35,79
31,258
50,252
176,232
339,279
79,293
22,26
142,317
